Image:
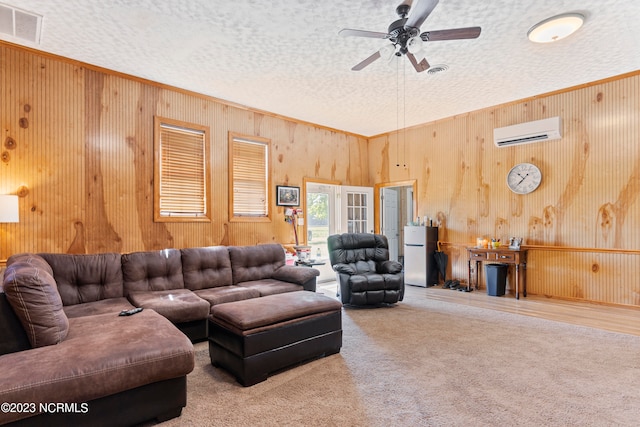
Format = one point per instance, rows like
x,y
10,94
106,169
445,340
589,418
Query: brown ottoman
x,y
256,337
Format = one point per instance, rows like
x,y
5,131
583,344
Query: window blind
x,y
182,172
250,178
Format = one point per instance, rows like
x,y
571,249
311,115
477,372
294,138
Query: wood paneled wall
x,y
584,217
78,143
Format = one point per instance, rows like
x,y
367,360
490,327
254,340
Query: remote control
x,y
130,312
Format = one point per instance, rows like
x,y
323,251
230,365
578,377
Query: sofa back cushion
x,y
152,271
207,267
33,295
86,278
32,259
255,262
363,252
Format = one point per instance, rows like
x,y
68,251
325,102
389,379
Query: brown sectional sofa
x,y
100,369
59,323
180,284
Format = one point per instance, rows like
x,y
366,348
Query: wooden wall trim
x,y
578,249
551,248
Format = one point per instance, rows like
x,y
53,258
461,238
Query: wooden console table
x,y
517,257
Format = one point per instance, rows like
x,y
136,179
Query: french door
x,y
334,209
356,209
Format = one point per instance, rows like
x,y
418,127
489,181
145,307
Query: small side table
x,y
516,257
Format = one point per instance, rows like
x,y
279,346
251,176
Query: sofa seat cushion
x,y
33,295
295,274
271,286
223,294
177,305
102,355
105,306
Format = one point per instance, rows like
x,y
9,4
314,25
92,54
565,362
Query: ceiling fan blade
x,y
453,34
348,32
419,66
420,10
367,61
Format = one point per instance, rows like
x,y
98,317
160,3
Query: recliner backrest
x,y
363,251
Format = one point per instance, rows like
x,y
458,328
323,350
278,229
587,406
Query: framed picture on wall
x,y
287,196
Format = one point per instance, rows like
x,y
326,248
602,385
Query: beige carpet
x,y
430,363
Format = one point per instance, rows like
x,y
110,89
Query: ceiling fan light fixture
x,y
387,51
415,44
555,28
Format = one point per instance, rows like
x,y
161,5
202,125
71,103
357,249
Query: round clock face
x,y
524,178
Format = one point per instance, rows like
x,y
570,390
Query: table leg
x,y
524,279
477,273
469,271
517,281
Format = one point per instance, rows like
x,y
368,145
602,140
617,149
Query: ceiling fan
x,y
405,36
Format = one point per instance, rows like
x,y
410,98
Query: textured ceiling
x,y
286,57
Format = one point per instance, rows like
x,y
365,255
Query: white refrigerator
x,y
420,243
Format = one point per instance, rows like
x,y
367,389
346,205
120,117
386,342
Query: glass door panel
x,y
357,209
321,223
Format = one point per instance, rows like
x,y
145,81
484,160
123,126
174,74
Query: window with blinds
x,y
181,185
248,178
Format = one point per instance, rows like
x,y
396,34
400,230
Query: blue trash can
x,y
496,279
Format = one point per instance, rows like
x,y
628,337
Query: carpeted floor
x,y
431,363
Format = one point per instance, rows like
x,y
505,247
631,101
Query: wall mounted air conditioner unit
x,y
524,133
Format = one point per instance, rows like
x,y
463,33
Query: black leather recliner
x,y
364,273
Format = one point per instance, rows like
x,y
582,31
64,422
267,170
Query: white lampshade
x,y
387,51
555,28
415,44
9,208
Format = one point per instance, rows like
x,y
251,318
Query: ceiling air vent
x,y
20,24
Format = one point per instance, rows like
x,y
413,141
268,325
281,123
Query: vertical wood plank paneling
x,y
85,151
588,197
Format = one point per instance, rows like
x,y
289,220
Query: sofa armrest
x,y
13,337
295,274
348,269
390,267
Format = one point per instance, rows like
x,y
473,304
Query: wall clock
x,y
524,178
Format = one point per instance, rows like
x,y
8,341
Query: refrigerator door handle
x,y
414,244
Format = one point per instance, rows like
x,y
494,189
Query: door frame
x,y
376,199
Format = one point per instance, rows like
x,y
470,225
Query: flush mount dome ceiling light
x,y
555,28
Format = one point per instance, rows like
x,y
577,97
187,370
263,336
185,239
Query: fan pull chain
x,y
397,112
404,113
